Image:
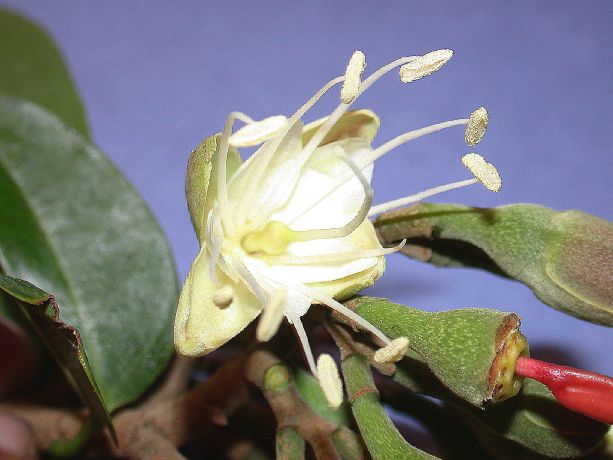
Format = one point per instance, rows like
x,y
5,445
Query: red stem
x,y
585,392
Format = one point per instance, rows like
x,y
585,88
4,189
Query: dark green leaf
x,y
33,69
565,257
72,225
62,339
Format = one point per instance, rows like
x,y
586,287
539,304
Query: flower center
x,y
272,240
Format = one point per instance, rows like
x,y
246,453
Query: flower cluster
x,y
289,227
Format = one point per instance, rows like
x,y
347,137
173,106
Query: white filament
x,y
383,207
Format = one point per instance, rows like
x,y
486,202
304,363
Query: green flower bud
x,y
566,258
471,351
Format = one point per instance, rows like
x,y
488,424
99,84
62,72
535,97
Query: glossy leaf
x,y
63,340
566,258
33,69
72,225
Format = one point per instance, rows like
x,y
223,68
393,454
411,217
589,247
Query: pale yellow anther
x,y
392,352
353,77
484,172
477,124
222,297
258,132
272,315
424,65
330,380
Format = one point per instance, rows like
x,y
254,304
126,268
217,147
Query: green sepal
x,y
201,180
460,346
566,257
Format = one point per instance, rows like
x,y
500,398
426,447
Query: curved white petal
x,y
323,197
260,187
357,240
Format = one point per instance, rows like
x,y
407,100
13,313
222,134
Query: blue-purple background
x,y
157,77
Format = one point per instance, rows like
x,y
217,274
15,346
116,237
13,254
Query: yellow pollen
x,y
392,352
477,124
424,65
484,172
353,74
329,380
272,240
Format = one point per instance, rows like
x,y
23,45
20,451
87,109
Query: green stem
x,y
378,431
69,447
289,444
348,444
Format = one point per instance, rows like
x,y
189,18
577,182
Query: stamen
x,y
424,65
244,117
353,76
250,281
409,136
222,160
258,132
336,305
214,249
223,297
272,315
341,109
485,172
274,238
385,148
477,125
333,257
304,341
326,233
383,207
392,352
330,380
255,176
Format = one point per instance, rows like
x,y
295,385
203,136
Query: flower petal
x,y
320,198
200,325
363,237
276,181
363,124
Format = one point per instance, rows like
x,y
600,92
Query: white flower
x,y
289,227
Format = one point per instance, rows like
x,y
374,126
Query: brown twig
x,y
155,428
289,409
